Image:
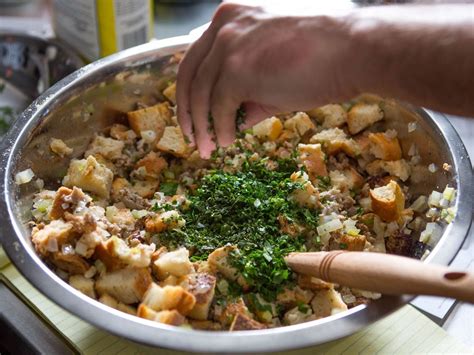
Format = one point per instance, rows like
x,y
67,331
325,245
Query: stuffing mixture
x,y
145,226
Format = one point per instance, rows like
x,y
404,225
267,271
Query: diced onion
x,y
24,177
420,204
148,136
413,150
434,199
431,234
90,273
111,212
432,168
81,248
449,193
137,214
432,213
350,227
411,127
329,227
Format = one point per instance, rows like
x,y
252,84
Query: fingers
x,y
187,69
224,106
254,113
191,62
200,94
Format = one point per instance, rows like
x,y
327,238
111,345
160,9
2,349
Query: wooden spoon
x,y
384,273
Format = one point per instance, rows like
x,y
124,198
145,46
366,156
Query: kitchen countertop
x,y
179,20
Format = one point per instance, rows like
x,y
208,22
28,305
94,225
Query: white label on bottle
x,y
76,24
132,19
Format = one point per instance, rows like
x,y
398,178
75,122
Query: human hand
x,y
265,63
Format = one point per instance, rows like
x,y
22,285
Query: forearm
x,y
421,54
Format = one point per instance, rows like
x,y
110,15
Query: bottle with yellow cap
x,y
97,28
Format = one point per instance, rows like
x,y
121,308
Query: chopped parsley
x,y
243,209
240,118
169,188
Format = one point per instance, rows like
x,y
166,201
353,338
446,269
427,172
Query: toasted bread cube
x,y
174,263
231,310
117,185
153,164
71,263
122,307
385,147
307,282
269,129
312,157
126,285
170,93
108,300
163,221
331,116
145,189
173,142
109,148
290,297
353,242
52,236
297,315
112,253
335,140
362,116
59,148
244,322
300,123
388,201
89,175
202,287
327,302
346,179
83,284
308,196
171,317
169,297
154,118
399,168
219,262
65,200
122,133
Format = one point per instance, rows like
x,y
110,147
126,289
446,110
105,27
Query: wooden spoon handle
x,y
384,273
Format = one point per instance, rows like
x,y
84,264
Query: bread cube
x,y
108,301
363,115
126,285
300,123
145,189
335,140
71,263
353,242
346,179
219,262
153,164
83,284
163,221
244,322
331,116
51,236
327,302
122,133
171,317
174,263
109,148
66,200
89,175
388,201
385,147
307,282
169,297
290,297
313,158
173,142
170,93
202,287
154,118
269,129
399,168
297,315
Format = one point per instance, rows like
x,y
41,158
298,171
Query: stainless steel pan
x,y
91,98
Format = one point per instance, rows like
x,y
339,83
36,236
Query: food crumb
x,y
60,148
432,168
447,167
411,127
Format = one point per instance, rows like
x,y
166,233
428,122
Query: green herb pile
x,y
242,209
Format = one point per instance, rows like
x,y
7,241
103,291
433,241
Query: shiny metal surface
x,y
91,98
32,64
